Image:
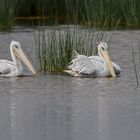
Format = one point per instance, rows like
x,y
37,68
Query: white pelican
x,y
9,68
94,66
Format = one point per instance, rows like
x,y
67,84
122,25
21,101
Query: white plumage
x,y
93,66
14,68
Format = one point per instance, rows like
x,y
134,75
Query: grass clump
x,y
6,16
86,12
54,48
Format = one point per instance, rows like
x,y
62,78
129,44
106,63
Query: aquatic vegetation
x,y
96,13
55,48
86,12
6,17
135,68
92,13
129,13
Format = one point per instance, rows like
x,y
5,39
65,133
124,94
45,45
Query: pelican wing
x,y
6,67
82,64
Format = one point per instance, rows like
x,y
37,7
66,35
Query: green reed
x,y
96,12
55,48
129,12
86,12
6,17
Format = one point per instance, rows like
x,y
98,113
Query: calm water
x,y
56,107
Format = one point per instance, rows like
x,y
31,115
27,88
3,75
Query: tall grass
x,y
129,12
55,48
86,12
96,12
6,17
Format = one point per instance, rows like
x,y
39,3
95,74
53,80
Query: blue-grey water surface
x,y
60,107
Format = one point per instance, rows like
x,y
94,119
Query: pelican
x,y
94,66
15,68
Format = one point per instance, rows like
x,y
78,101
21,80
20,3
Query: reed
x,y
6,17
135,68
86,12
55,48
96,12
129,11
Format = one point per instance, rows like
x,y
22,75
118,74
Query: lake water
x,y
60,107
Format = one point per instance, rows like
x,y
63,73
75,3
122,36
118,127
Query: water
x,y
60,107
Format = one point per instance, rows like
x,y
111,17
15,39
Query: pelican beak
x,y
109,62
20,54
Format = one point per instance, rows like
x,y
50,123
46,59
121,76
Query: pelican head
x,y
17,52
103,53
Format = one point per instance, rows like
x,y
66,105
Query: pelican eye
x,y
16,46
103,48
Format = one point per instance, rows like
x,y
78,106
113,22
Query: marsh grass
x,y
55,48
135,68
86,12
129,12
91,13
95,12
6,17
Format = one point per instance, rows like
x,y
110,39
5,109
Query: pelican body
x,y
15,68
94,66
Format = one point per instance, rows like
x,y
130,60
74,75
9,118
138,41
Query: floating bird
x,y
15,68
94,66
